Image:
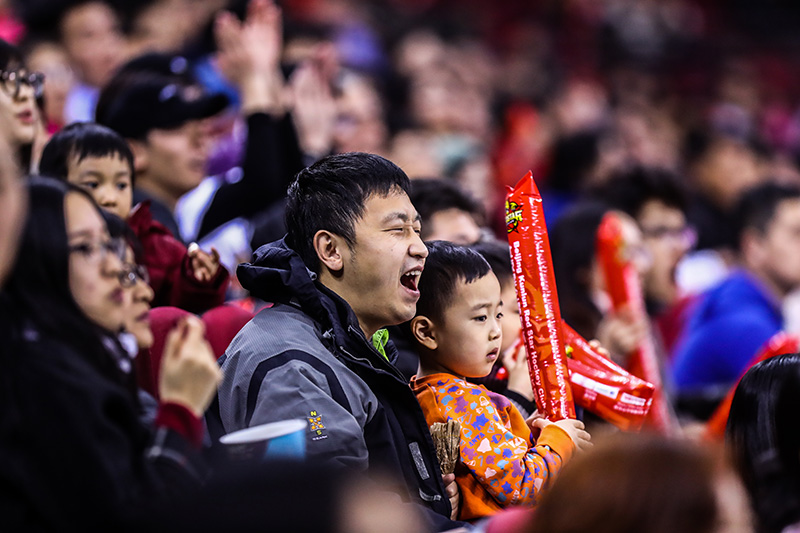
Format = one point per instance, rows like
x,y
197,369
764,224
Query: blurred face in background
x,y
18,105
728,168
51,59
138,296
93,40
453,225
170,163
95,264
359,124
775,253
668,239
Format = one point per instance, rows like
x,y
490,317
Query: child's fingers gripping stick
x,y
577,432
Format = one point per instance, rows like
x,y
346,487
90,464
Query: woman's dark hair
x,y
10,57
119,229
634,483
37,293
764,439
81,140
572,244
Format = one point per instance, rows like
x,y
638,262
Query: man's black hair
x,y
757,206
331,195
447,265
430,196
81,140
630,190
498,255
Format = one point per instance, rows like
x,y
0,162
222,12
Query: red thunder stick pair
x,y
561,363
624,288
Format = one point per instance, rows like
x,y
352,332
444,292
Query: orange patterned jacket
x,y
500,465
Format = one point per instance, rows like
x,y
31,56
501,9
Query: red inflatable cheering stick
x,y
624,288
538,302
601,386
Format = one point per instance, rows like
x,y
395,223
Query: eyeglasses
x,y
99,251
685,235
11,82
132,273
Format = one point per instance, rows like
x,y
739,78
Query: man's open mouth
x,y
410,280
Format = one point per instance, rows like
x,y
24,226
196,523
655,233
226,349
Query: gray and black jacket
x,y
306,357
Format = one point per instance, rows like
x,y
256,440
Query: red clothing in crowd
x,y
169,267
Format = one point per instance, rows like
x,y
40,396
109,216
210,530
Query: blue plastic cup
x,y
284,440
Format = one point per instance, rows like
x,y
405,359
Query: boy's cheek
x,y
510,326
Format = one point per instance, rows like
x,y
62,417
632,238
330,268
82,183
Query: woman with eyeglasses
x,y
19,90
135,282
72,449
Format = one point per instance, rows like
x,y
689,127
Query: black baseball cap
x,y
136,103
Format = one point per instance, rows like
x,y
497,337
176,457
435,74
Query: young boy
x,y
97,159
516,383
458,334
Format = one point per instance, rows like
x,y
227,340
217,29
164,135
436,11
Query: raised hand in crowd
x,y
314,108
189,372
620,333
249,55
204,265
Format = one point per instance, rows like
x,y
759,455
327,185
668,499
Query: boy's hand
x,y
574,428
451,489
535,430
204,265
515,362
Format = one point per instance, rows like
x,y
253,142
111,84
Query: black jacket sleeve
x,y
272,157
72,449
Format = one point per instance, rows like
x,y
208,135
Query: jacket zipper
x,y
393,371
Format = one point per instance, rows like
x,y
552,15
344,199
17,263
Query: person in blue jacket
x,y
733,320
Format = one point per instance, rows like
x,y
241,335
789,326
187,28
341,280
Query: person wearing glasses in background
x,y
19,90
657,201
74,451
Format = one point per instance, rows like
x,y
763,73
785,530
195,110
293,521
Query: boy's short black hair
x,y
447,265
81,140
498,254
430,196
757,206
331,195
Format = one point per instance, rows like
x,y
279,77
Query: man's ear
x,y
140,152
751,247
329,249
424,331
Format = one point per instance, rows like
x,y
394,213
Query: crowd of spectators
x,y
165,176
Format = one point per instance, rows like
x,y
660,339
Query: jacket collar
x,y
278,274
